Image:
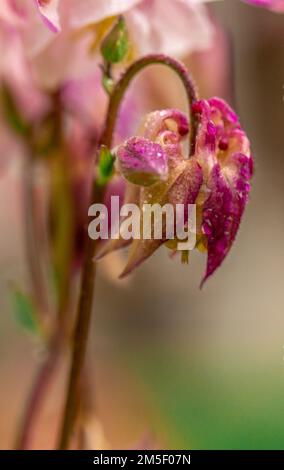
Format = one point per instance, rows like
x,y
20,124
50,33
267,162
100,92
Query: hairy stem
x,y
89,266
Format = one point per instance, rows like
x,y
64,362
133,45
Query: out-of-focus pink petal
x,y
212,68
92,11
64,58
57,57
49,10
11,12
190,30
23,18
16,73
85,98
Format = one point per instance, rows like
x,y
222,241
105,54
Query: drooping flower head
x,y
216,178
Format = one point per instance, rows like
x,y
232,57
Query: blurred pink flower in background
x,y
49,45
190,30
49,9
63,49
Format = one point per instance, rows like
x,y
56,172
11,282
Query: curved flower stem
x,y
89,266
127,77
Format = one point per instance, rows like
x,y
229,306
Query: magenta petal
x,y
142,162
224,208
228,114
215,117
206,131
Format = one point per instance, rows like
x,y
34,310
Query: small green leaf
x,y
106,162
115,46
12,113
25,312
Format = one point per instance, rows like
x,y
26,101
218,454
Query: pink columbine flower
x,y
216,178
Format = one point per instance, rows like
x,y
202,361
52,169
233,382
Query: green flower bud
x,y
115,45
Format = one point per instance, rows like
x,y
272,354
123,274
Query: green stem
x,y
89,267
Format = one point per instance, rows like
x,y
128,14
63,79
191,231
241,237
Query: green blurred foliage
x,y
205,405
105,169
24,311
11,112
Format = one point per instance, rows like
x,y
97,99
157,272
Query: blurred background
x,y
171,366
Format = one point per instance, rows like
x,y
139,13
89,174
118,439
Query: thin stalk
x,y
89,267
79,344
38,394
33,245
